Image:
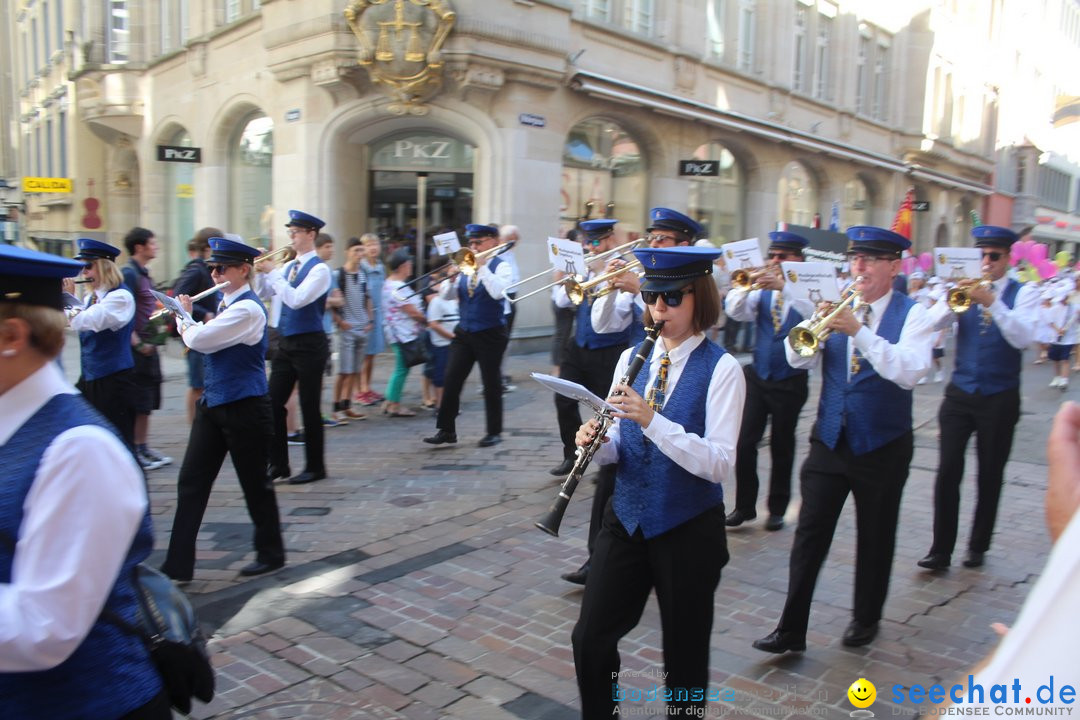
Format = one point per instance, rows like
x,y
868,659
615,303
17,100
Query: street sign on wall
x,y
46,185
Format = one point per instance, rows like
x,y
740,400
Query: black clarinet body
x,y
553,519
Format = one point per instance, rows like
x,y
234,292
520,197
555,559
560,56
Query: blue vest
x,y
985,362
871,410
651,491
238,371
587,338
107,351
770,362
308,319
110,673
481,311
637,325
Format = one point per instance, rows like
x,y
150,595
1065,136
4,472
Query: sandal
x,y
402,413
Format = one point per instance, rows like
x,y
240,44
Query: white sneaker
x,y
1064,384
922,381
939,376
1055,382
161,460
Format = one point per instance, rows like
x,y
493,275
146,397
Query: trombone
x,y
465,260
589,260
959,297
809,336
577,290
273,255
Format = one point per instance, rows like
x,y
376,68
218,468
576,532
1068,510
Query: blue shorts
x,y
195,369
439,356
1059,353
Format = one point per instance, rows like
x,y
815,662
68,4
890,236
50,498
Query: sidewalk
x,y
417,586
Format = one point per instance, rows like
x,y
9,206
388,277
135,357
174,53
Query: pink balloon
x,y
1014,255
1019,251
907,265
1037,253
926,261
1047,268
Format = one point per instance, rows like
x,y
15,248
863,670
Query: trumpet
x,y
959,298
589,260
273,255
809,336
465,260
553,519
194,298
745,278
577,291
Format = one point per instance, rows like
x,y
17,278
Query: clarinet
x,y
553,519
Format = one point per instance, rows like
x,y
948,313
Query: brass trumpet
x,y
465,260
589,260
745,278
959,298
273,255
577,291
809,336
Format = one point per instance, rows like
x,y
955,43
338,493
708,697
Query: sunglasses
x,y
776,255
219,268
993,256
88,266
672,298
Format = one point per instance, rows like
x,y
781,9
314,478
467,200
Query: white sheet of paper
x,y
447,242
743,254
572,390
811,281
566,256
173,306
958,263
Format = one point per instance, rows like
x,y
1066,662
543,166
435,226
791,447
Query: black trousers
x,y
242,430
992,418
783,400
157,709
485,347
683,565
112,396
299,359
876,480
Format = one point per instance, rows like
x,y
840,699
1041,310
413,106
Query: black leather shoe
x,y
935,561
273,472
259,567
737,517
858,634
176,577
579,576
306,477
774,522
489,440
563,468
779,641
974,559
441,438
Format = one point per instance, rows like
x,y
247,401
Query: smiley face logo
x,y
862,693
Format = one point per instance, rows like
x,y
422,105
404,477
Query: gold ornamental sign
x,y
401,46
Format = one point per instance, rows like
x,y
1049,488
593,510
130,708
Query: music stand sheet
x,y
573,390
173,306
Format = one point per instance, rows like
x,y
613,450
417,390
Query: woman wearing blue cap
x,y
70,534
104,325
673,445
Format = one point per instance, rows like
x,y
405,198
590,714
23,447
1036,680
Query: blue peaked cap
x,y
95,250
787,240
672,268
302,219
667,219
866,238
29,277
231,252
597,229
994,235
474,230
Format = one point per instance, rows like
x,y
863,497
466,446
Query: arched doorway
x,y
251,157
717,202
603,176
797,195
179,202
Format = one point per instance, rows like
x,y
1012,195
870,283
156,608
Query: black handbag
x,y
414,352
168,626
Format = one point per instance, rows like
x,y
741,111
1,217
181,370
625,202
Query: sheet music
x,y
573,390
173,306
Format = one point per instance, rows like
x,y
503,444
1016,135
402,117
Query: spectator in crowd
x,y
404,323
353,320
375,273
194,279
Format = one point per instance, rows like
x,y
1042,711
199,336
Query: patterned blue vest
x,y
770,362
481,311
587,338
985,361
108,351
651,491
872,411
637,325
110,673
238,371
308,319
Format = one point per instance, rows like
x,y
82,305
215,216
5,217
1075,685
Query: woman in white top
x,y
404,323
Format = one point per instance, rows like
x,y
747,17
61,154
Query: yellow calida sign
x,y
46,185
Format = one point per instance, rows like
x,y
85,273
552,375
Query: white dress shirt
x,y
743,304
711,456
904,363
1017,325
314,285
612,312
494,282
110,312
84,507
241,322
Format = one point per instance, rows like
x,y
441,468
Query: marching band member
x,y
862,441
772,386
74,523
589,359
480,337
673,445
104,325
983,396
233,416
303,348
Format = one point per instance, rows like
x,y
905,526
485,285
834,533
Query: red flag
x,y
901,224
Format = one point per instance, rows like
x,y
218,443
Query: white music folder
x,y
573,390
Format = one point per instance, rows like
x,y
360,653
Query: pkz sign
x,y
174,153
700,168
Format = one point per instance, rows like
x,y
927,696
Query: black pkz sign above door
x,y
174,153
700,168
